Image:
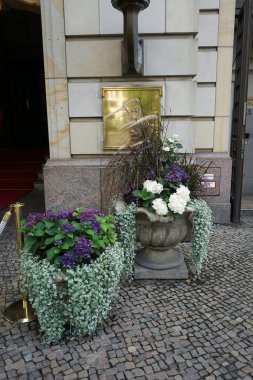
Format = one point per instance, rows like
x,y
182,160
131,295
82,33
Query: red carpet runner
x,y
18,171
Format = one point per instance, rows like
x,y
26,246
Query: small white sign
x,y
208,176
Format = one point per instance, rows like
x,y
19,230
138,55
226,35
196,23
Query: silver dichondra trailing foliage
x,y
127,235
202,218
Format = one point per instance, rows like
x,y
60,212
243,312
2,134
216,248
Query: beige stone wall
x,y
93,55
187,51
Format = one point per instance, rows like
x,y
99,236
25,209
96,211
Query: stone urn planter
x,y
158,235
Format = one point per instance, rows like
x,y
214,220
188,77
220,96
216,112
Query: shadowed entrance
x,y
23,116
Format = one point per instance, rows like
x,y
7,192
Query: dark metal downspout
x,y
132,45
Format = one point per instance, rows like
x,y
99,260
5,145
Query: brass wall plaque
x,y
122,106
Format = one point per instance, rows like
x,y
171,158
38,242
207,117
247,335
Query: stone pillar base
x,y
79,182
218,196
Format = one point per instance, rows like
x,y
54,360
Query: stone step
x,y
38,185
40,176
246,212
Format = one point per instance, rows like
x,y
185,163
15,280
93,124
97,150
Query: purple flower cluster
x,y
93,222
68,260
89,216
82,251
33,219
83,248
129,198
50,215
175,174
66,214
90,213
63,230
67,227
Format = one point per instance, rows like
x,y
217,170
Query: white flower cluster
x,y
153,186
179,200
160,207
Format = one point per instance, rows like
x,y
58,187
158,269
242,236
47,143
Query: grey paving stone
x,y
161,329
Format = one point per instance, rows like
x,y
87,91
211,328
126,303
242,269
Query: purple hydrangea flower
x,y
83,248
66,214
67,227
94,223
129,198
50,215
68,260
90,212
33,219
175,174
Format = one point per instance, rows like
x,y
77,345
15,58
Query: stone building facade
x,y
188,51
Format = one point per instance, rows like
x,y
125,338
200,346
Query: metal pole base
x,y
20,312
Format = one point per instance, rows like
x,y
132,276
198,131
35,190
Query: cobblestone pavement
x,y
158,329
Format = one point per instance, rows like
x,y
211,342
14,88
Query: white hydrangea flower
x,y
153,186
166,148
160,207
159,188
177,204
184,193
171,140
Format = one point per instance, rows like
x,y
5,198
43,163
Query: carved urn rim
x,y
154,218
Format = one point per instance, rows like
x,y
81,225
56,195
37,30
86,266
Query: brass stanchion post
x,y
21,310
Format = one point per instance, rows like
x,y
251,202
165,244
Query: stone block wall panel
x,y
209,4
208,29
177,56
207,66
184,130
94,57
81,17
180,98
204,134
85,99
86,137
182,17
205,101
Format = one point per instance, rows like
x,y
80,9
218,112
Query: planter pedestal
x,y
150,264
178,273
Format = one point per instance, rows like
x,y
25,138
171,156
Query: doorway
x,y
23,113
